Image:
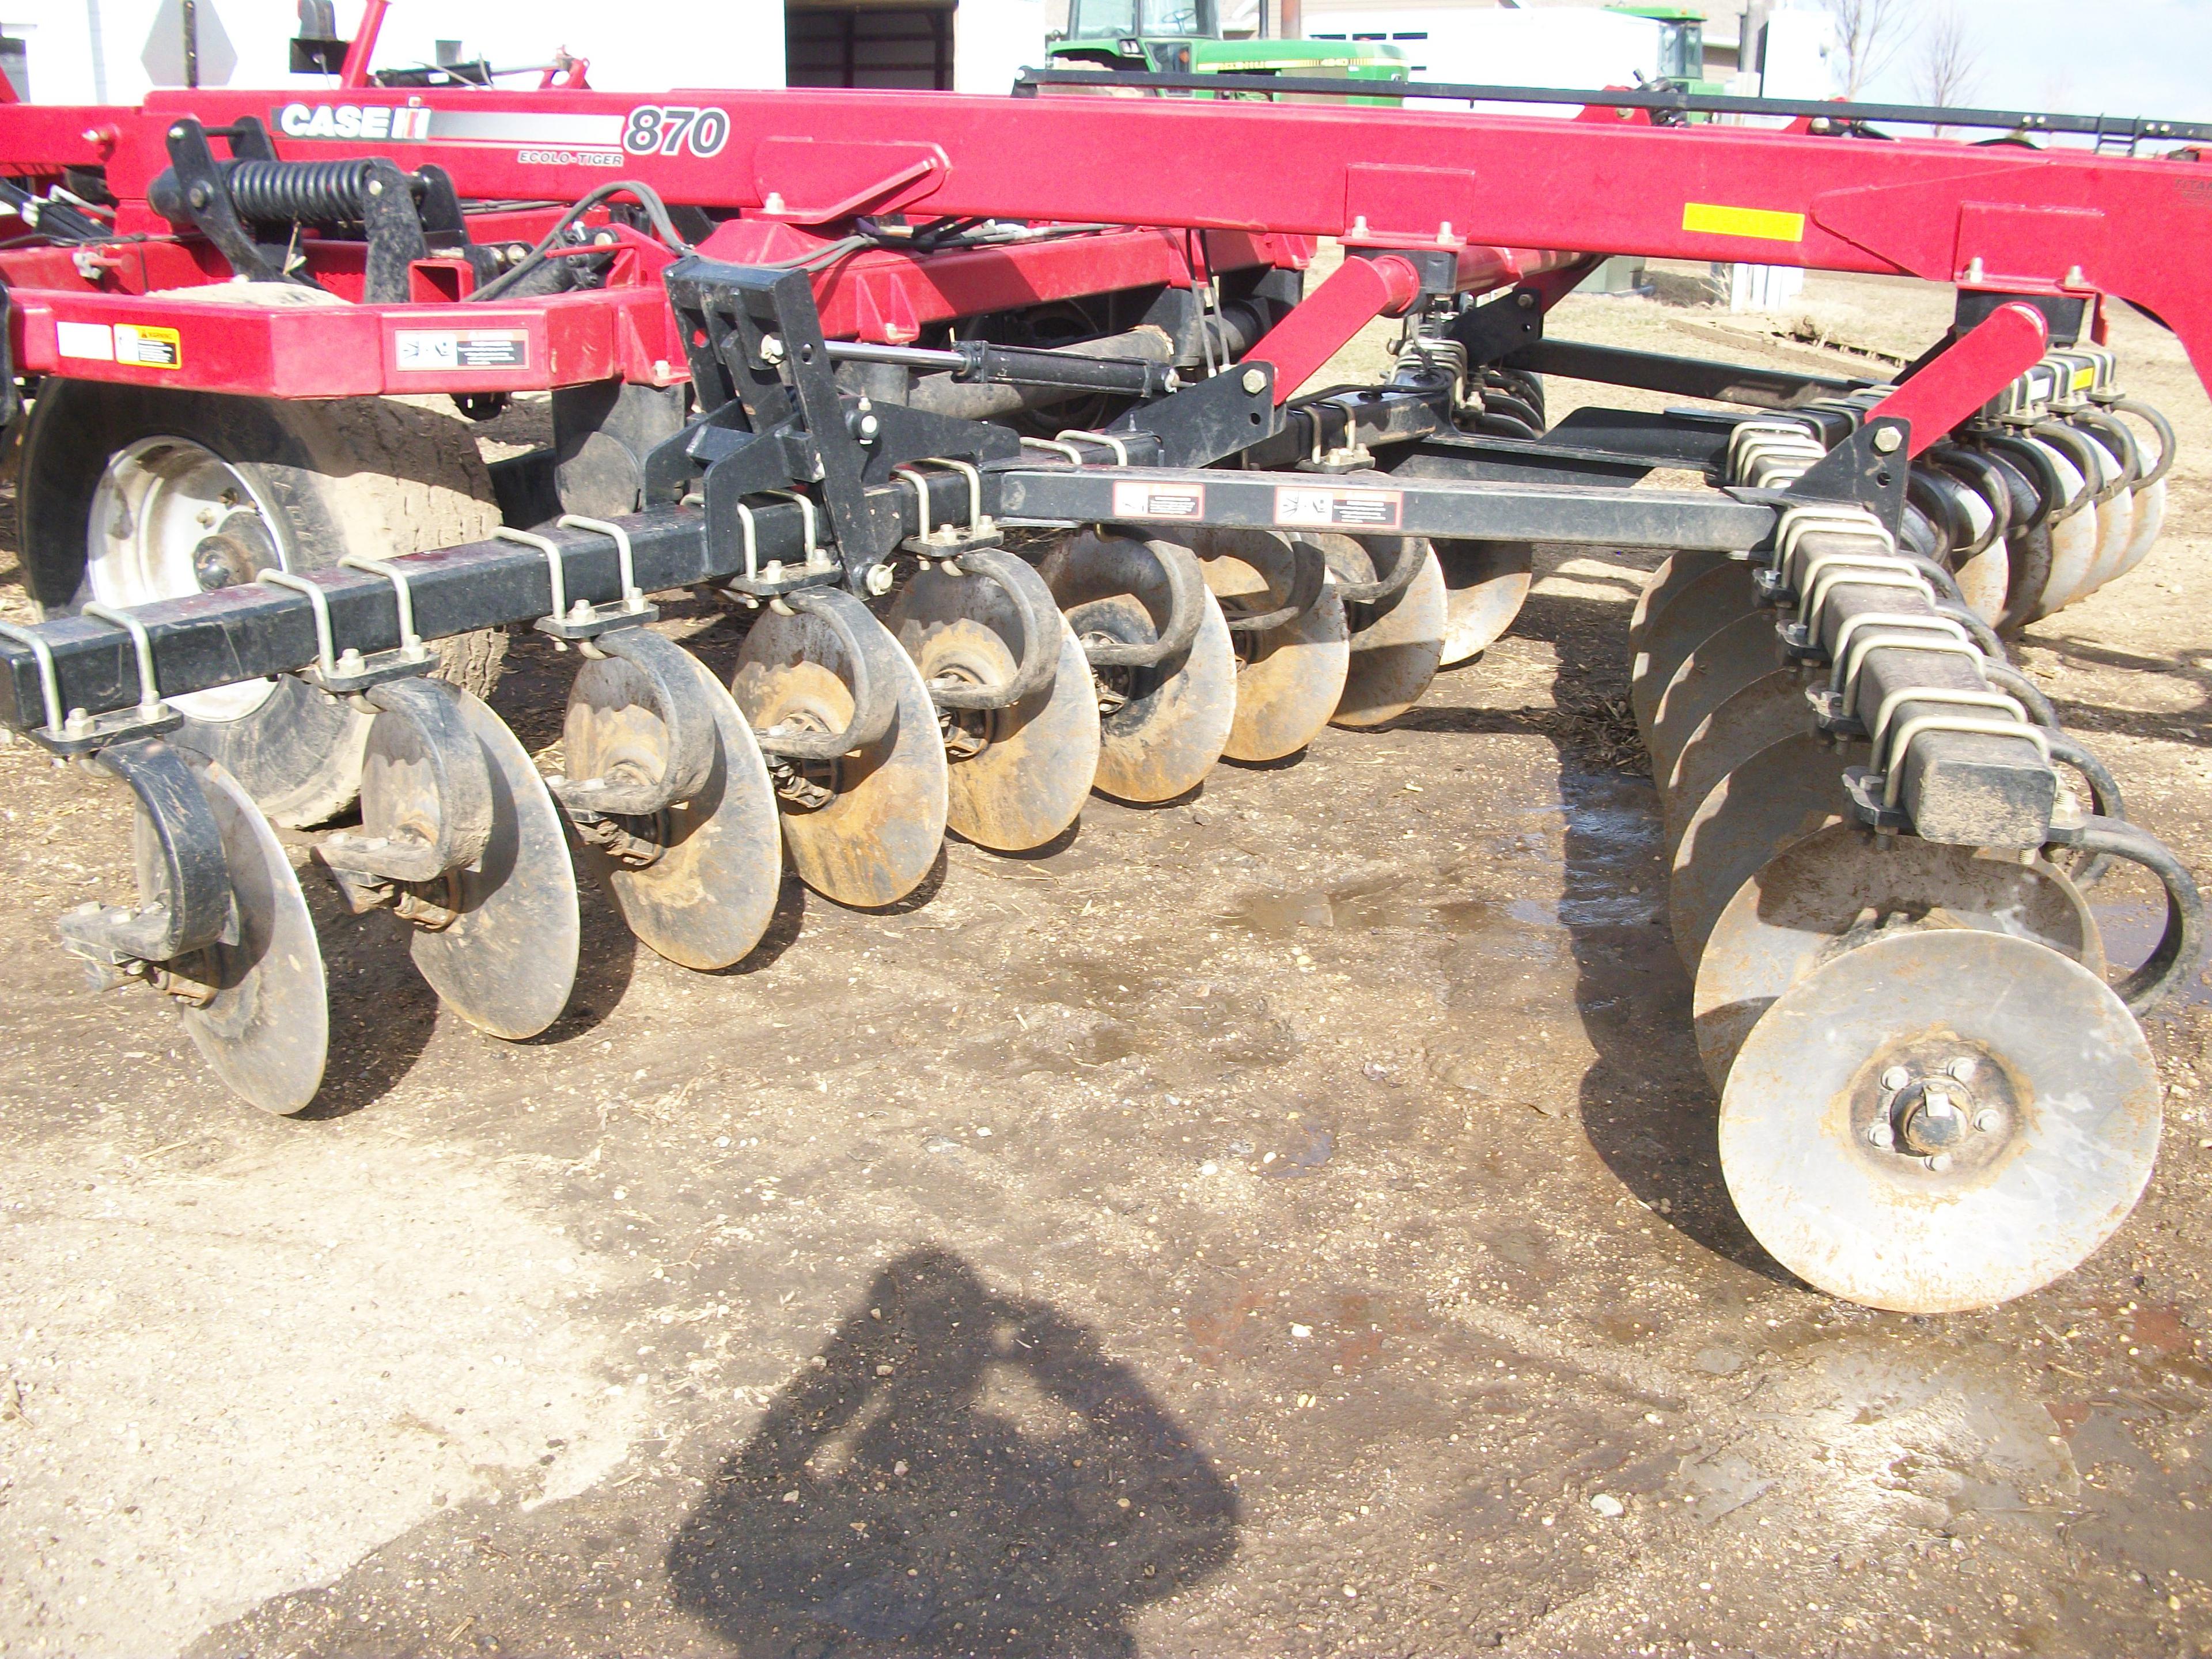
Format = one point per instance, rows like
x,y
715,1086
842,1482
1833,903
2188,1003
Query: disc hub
x,y
1942,1106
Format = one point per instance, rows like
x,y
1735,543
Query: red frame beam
x,y
2004,218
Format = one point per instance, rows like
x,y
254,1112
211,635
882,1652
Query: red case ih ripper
x,y
989,412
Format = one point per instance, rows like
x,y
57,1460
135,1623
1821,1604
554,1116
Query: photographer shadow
x,y
958,1472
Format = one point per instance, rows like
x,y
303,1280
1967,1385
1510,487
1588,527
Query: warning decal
x,y
1313,507
135,344
434,350
148,348
1151,501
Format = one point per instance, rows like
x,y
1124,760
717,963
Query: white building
x,y
115,51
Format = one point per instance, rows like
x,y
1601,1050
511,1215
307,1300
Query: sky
x,y
2077,56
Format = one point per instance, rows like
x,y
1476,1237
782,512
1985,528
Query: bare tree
x,y
1871,31
1948,68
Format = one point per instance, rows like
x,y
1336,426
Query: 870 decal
x,y
671,128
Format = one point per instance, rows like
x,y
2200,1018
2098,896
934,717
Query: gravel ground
x,y
1285,1223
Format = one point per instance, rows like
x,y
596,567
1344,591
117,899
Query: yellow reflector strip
x,y
1768,226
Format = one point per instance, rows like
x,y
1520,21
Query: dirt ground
x,y
1285,1223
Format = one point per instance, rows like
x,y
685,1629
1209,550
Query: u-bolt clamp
x,y
348,673
1824,574
947,540
1835,705
75,732
580,621
50,685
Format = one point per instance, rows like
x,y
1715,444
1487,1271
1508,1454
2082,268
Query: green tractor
x,y
1183,37
1681,44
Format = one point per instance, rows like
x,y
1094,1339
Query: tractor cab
x,y
1183,37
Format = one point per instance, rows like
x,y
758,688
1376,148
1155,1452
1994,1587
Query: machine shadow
x,y
958,1472
1646,1106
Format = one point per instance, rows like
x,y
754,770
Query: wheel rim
x,y
171,518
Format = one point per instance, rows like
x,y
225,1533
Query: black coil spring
x,y
311,193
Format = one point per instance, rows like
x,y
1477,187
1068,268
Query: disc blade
x,y
2116,525
1486,585
876,834
1787,790
1397,644
1768,709
267,1030
2073,540
2150,518
1289,679
1985,580
698,881
1837,889
508,961
1708,605
1664,585
2054,1061
1166,725
1039,756
1742,653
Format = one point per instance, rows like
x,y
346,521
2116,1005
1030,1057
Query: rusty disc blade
x,y
863,830
1397,643
1836,890
1664,585
1289,679
1030,777
266,1031
1161,728
705,889
1741,653
508,961
1787,790
1700,611
1768,709
1486,585
2052,1130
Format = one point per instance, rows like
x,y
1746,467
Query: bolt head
x,y
1988,1120
1962,1068
1878,1134
880,579
1940,1161
1887,439
1895,1077
1254,381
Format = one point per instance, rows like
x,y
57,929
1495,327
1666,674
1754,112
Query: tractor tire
x,y
133,494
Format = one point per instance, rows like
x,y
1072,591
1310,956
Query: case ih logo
x,y
352,121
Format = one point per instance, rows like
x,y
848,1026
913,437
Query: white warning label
x,y
1307,506
449,349
1152,500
